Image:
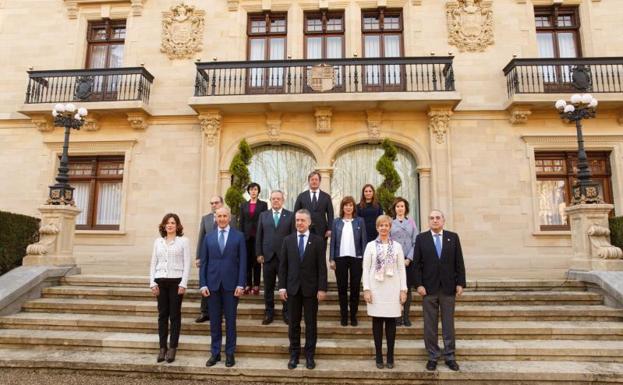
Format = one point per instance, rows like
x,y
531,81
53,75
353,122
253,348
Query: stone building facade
x,y
465,88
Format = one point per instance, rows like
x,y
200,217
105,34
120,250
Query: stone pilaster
x,y
325,182
210,123
441,168
424,176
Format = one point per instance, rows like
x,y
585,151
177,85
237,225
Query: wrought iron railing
x,y
407,74
89,85
539,76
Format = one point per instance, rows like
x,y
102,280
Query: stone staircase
x,y
508,332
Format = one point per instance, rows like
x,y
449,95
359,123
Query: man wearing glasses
x,y
439,278
207,225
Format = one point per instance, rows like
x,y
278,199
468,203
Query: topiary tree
x,y
239,177
385,166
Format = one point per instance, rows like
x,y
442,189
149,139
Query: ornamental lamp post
x,y
585,190
68,116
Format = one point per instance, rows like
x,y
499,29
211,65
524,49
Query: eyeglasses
x,y
433,218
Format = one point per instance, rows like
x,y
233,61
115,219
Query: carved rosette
x,y
519,115
182,31
91,124
470,24
323,119
137,120
210,126
439,121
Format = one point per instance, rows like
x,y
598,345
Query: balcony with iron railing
x,y
102,90
384,82
539,82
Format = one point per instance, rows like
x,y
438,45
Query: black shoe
x,y
431,365
230,360
213,360
379,365
268,319
353,321
390,365
171,355
399,321
310,363
294,361
343,321
407,322
452,365
162,355
202,318
286,319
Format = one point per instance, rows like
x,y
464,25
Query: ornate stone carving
x,y
273,125
232,5
137,120
519,115
47,237
470,24
137,7
182,31
374,119
42,123
210,126
600,243
72,9
73,6
323,119
91,123
439,121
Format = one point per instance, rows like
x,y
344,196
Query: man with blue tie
x,y
439,278
303,283
222,277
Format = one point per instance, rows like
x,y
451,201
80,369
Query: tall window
x,y
267,41
97,181
382,37
555,173
105,50
324,35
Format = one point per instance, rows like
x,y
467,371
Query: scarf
x,y
385,260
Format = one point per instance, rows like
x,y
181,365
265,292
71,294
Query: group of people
x,y
386,254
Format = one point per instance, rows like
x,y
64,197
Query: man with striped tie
x,y
439,278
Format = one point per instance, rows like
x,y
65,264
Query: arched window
x,y
281,167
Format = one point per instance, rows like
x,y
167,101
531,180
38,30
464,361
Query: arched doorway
x,y
282,167
356,165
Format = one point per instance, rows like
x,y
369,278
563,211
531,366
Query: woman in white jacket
x,y
385,287
168,280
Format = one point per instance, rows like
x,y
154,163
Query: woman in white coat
x,y
385,287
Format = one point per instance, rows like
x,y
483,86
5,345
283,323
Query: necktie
x,y
221,240
276,218
438,244
314,200
301,246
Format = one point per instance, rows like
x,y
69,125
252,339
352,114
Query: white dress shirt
x,y
305,239
225,237
347,241
170,259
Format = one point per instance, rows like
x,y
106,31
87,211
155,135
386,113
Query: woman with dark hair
x,y
404,231
369,209
168,280
249,215
348,240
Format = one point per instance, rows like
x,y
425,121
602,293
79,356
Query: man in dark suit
x,y
273,226
207,225
221,278
302,282
439,278
319,204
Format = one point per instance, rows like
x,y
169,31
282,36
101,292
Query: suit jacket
x,y
268,239
359,235
207,225
248,222
439,274
308,275
228,268
321,214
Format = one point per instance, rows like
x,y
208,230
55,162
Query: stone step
x,y
471,297
474,285
331,311
333,371
544,330
551,350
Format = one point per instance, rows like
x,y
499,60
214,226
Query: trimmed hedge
x,y
239,177
616,231
16,233
391,183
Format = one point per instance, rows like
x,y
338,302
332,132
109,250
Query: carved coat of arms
x,y
470,24
321,77
182,31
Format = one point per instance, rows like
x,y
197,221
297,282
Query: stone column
x,y
590,238
210,123
424,176
325,182
56,237
441,167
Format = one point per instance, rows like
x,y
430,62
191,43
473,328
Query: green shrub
x,y
391,183
239,177
616,231
16,232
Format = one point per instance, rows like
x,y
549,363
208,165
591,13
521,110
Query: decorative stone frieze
x,y
43,123
439,120
470,24
137,120
73,6
374,120
182,31
91,123
210,123
323,119
519,115
273,125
